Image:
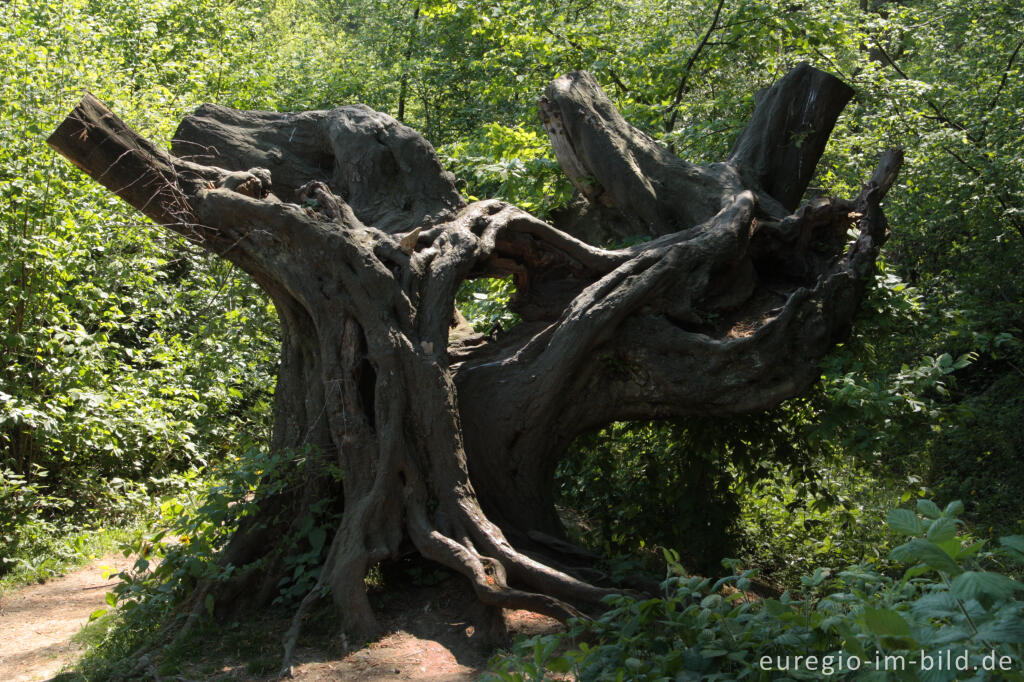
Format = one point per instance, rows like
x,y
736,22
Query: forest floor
x,y
427,637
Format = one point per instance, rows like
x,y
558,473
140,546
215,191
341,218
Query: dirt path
x,y
427,640
37,621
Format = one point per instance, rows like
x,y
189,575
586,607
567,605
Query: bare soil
x,y
427,638
37,621
427,635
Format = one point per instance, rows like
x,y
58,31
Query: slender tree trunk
x,y
403,87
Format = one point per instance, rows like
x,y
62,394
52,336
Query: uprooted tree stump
x,y
447,438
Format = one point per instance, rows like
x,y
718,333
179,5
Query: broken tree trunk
x,y
447,439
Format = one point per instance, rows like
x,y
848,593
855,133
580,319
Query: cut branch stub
x,y
135,169
158,184
627,178
779,148
612,163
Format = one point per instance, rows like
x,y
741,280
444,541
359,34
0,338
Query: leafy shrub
x,y
42,535
24,532
939,593
485,303
786,528
122,354
181,545
513,164
647,484
991,477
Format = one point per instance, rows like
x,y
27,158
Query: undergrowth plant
x,y
942,606
42,535
180,547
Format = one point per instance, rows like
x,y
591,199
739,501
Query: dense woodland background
x,y
136,374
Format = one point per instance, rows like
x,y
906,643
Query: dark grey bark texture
x,y
448,439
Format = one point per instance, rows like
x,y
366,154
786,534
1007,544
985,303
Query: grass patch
x,y
94,632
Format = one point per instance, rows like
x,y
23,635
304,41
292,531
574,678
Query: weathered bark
x,y
449,439
635,186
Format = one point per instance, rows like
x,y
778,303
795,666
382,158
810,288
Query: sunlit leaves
x,y
513,164
117,356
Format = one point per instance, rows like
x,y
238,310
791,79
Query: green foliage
x,y
28,541
485,303
767,490
787,529
938,592
787,490
642,485
990,476
195,523
882,394
179,547
125,355
513,164
40,537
